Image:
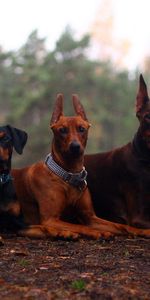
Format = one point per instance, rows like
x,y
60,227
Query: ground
x,y
83,269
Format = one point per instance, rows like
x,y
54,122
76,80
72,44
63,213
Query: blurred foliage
x,y
31,77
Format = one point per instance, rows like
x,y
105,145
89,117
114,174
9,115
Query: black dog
x,y
119,180
10,138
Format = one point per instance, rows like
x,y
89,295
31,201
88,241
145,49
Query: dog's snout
x,y
74,147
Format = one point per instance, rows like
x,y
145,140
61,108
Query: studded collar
x,y
77,180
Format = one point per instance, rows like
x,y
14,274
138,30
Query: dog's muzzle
x,y
74,148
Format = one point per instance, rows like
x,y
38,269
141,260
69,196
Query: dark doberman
x,y
119,180
9,206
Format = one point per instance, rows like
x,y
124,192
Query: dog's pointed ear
x,y
142,95
58,109
78,107
18,136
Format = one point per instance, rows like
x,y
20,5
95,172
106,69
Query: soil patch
x,y
85,269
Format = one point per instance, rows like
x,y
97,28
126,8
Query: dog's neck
x,y
5,167
140,149
70,164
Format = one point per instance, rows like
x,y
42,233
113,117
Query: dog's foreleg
x,y
104,226
118,229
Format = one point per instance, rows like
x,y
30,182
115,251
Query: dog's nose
x,y
74,147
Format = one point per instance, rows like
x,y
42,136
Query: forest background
x,y
31,77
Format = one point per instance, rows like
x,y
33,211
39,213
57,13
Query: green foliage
x,y
78,284
31,77
23,262
69,49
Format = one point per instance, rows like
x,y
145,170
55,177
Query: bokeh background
x,y
94,48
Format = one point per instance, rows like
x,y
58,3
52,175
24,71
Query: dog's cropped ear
x,y
19,138
58,109
142,95
78,107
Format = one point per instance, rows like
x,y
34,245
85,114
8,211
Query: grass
x,y
78,284
23,262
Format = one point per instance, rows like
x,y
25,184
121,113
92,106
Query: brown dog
x,y
48,190
119,180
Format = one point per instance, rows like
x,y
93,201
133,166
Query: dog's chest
x,y
145,185
73,195
143,178
138,174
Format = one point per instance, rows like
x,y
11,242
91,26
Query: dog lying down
x,y
10,138
48,190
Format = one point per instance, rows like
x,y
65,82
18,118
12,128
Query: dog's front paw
x,y
1,241
107,235
13,208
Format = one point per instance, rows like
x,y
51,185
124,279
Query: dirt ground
x,y
84,269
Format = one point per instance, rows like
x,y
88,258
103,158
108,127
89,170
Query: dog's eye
x,y
63,130
5,139
81,129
